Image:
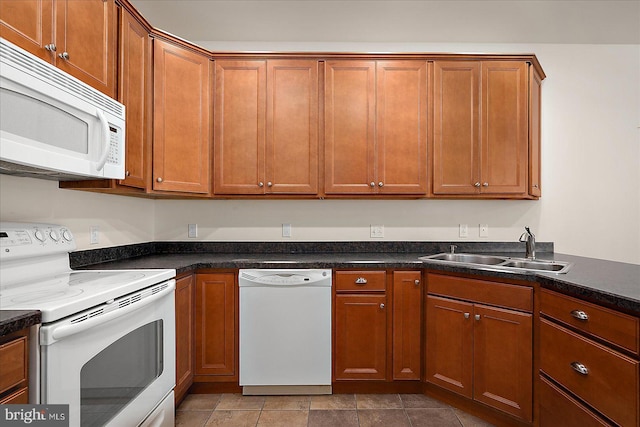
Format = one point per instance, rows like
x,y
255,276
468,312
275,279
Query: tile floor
x,y
337,410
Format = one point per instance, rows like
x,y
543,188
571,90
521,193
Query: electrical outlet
x,y
94,235
484,230
377,231
286,230
193,230
463,230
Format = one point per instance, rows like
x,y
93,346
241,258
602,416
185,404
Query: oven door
x,y
115,367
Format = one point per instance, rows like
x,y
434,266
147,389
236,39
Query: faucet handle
x,y
453,248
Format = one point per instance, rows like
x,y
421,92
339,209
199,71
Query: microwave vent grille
x,y
38,68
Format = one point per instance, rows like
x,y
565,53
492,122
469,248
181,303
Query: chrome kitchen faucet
x,y
530,239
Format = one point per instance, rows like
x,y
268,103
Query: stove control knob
x,y
39,235
54,235
66,235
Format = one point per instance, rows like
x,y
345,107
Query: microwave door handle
x,y
105,140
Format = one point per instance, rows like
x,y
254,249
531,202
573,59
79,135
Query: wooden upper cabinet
x,y
79,37
266,127
28,24
135,94
86,41
401,127
349,127
376,127
535,113
481,128
182,125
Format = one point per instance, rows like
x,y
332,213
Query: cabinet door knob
x,y
477,316
127,173
477,184
535,186
261,184
51,47
486,184
580,315
269,184
159,179
382,305
416,282
381,184
64,55
361,281
580,368
372,184
466,315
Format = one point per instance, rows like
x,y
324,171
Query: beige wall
x,y
591,178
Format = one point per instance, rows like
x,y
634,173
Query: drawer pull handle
x,y
361,281
580,315
579,368
477,316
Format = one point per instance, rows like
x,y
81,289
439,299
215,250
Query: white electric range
x,y
106,346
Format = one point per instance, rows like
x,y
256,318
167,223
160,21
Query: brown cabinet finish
x,y
80,36
613,327
481,128
535,133
185,314
558,408
360,337
216,327
407,319
266,127
135,93
376,127
605,379
361,281
350,114
28,24
449,344
503,359
14,371
182,111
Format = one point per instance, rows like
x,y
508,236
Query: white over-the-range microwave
x,y
53,125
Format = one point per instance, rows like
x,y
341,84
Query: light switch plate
x,y
377,231
94,235
463,230
193,230
484,230
286,230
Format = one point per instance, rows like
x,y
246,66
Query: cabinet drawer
x,y
19,397
492,293
612,326
557,408
13,361
610,382
360,280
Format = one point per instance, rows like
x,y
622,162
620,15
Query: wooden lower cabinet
x,y
481,352
407,318
216,328
14,371
360,337
185,310
558,408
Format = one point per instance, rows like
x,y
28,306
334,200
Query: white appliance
x,y
106,346
54,126
285,331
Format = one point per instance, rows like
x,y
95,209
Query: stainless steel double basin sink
x,y
495,262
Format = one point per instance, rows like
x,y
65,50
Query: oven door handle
x,y
51,334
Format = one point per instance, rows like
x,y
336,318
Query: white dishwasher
x,y
285,331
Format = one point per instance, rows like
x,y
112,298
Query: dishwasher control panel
x,y
292,277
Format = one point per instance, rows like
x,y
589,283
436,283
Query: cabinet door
x,y
185,306
216,326
504,148
407,319
401,137
456,127
182,109
503,369
449,341
360,337
28,24
292,127
240,115
349,127
86,41
135,94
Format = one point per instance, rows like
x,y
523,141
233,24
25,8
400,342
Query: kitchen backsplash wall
x,y
590,202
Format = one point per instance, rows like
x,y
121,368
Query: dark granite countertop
x,y
14,320
609,283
